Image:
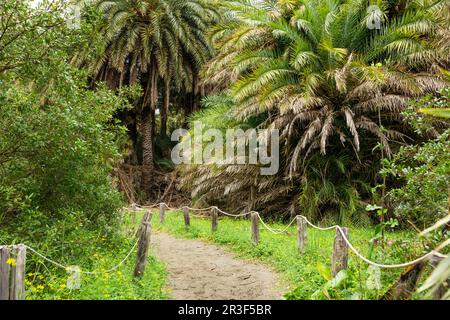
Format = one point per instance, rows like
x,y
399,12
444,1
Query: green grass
x,y
45,282
307,273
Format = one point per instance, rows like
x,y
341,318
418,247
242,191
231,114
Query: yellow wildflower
x,y
11,262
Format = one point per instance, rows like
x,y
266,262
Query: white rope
x,y
144,207
385,266
336,227
170,208
233,215
192,209
118,265
275,231
317,227
167,206
196,209
85,272
267,227
359,255
47,259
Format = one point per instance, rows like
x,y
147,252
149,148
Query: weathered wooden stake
x,y
4,273
214,217
162,209
339,259
12,275
187,219
145,230
133,215
17,285
255,228
301,234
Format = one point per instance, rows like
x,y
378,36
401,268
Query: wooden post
x,y
143,245
4,273
133,215
17,285
214,217
162,208
301,234
12,276
339,259
187,220
255,228
439,292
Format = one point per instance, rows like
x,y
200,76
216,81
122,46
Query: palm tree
x,y
149,41
324,73
329,81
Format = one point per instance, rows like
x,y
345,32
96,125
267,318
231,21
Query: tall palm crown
x,y
161,34
321,69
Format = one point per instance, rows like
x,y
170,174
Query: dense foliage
x,y
59,142
350,89
425,170
335,89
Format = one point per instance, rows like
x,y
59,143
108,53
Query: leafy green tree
x,y
59,142
44,26
423,169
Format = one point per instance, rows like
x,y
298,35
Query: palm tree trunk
x,y
147,127
147,149
133,132
195,102
165,109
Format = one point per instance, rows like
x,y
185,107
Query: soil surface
x,y
201,271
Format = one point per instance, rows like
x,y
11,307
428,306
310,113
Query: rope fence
x,y
13,258
57,264
339,231
12,278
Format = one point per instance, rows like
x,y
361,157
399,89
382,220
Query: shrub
x,y
424,169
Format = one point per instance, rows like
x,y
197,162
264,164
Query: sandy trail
x,y
200,271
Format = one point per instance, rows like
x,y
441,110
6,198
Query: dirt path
x,y
200,271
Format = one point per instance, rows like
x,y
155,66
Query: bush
x,y
57,156
59,141
424,169
59,145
